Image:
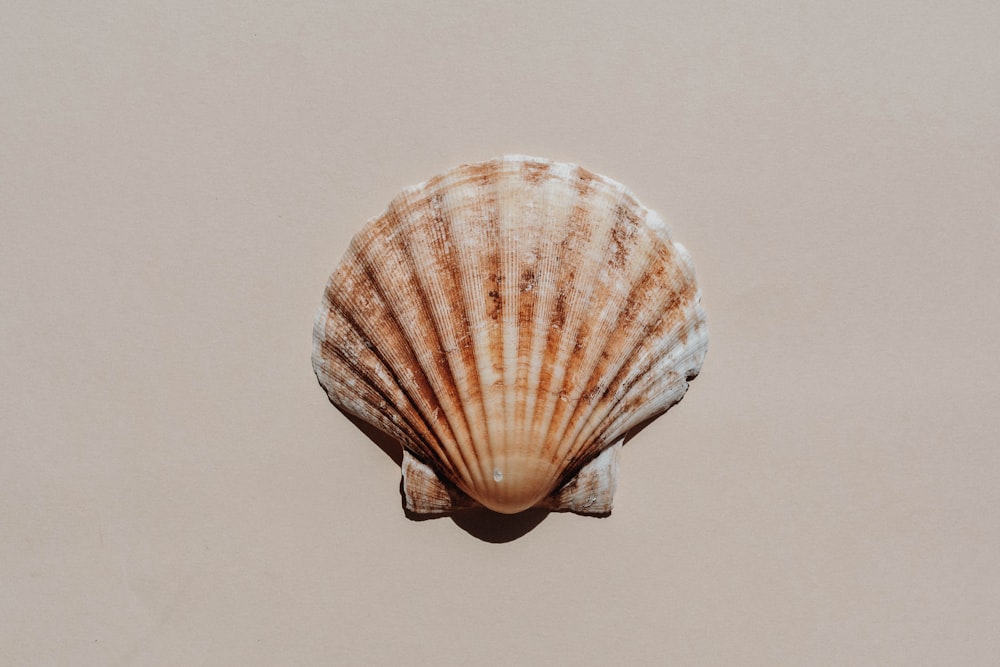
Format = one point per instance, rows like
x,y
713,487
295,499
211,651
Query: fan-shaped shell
x,y
508,322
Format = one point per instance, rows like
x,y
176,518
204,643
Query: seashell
x,y
509,322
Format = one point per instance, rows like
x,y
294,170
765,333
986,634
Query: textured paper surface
x,y
177,181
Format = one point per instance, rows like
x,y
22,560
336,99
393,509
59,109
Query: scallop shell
x,y
509,322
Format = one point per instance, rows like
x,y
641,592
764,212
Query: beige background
x,y
177,180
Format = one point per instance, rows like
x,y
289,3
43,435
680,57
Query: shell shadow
x,y
385,442
635,430
481,523
490,526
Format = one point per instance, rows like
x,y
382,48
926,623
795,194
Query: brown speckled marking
x,y
622,235
559,309
482,174
584,181
434,184
527,284
535,172
580,226
493,291
495,304
528,301
676,307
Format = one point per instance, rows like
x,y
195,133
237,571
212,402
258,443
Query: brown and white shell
x,y
509,322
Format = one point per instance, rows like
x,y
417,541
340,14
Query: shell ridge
x,y
518,199
544,283
386,424
463,438
661,387
632,333
439,375
668,300
616,265
490,214
637,394
427,437
475,225
553,375
509,309
415,363
611,418
537,200
475,414
570,343
323,363
463,229
338,359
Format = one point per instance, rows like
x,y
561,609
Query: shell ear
x,y
592,490
425,492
